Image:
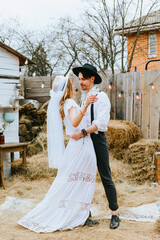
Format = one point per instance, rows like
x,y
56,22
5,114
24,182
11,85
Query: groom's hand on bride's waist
x,y
76,135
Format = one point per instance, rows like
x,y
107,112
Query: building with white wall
x,y
10,62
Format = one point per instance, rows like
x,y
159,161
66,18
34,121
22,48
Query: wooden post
x,y
22,86
120,100
112,95
129,96
1,167
24,156
146,104
124,89
12,156
154,104
115,95
137,101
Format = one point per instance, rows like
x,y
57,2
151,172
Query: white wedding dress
x,y
67,203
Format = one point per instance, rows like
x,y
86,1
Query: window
x,y
152,51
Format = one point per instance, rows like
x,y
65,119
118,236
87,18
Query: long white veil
x,y
55,140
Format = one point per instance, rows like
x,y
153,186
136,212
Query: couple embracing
x,y
67,203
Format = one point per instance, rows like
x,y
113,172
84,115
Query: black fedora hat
x,y
89,69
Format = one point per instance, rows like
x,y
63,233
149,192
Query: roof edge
x,y
21,57
134,29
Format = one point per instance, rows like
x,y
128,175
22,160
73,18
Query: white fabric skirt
x,y
67,203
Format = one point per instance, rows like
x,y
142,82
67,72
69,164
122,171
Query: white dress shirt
x,y
101,109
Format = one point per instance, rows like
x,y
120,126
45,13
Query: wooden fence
x,y
125,95
134,97
37,88
151,104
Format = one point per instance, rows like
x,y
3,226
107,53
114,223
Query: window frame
x,y
149,53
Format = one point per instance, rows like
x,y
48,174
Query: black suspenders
x,y
92,111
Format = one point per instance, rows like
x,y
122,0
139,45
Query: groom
x,y
98,115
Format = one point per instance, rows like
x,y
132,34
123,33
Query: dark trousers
x,y
102,154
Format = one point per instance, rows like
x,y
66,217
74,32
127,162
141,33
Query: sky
x,y
37,13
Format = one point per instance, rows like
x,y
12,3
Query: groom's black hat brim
x,y
90,69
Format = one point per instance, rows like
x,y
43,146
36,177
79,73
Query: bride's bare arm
x,y
78,135
77,117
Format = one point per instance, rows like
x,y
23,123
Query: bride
x,y
67,203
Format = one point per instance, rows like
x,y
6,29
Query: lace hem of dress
x,y
34,226
84,177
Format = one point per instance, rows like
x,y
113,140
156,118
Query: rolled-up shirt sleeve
x,y
102,112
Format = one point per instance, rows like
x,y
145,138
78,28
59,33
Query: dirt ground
x,y
129,193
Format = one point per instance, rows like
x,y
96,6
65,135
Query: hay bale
x,y
36,168
157,226
119,153
121,134
38,145
140,156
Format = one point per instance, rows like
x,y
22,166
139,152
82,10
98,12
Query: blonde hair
x,y
68,93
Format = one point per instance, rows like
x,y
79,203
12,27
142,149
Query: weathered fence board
x,y
146,104
36,85
154,104
137,112
129,97
38,90
37,95
151,104
119,100
104,86
112,96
